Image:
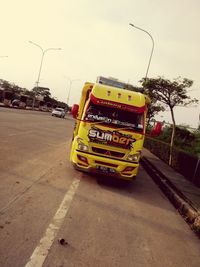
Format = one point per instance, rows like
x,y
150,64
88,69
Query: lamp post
x,y
70,87
151,49
40,68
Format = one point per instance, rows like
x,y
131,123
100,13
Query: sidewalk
x,y
181,192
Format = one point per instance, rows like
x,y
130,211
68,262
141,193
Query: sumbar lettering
x,y
110,137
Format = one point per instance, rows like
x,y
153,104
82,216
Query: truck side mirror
x,y
74,110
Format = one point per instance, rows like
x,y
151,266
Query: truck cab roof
x,y
118,97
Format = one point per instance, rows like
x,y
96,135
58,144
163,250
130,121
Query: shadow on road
x,y
113,182
141,189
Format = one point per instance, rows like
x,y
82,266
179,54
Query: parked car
x,y
15,103
58,112
18,103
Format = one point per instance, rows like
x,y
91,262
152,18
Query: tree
x,y
171,94
43,91
15,89
5,85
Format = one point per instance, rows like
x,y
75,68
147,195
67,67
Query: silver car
x,y
58,112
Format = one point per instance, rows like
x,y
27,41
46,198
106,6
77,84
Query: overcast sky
x,y
96,39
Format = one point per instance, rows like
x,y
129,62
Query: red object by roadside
x,y
156,131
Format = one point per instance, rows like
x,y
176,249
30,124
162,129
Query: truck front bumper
x,y
104,165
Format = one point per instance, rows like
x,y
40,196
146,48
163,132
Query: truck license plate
x,y
105,169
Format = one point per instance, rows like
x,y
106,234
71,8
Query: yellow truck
x,y
109,129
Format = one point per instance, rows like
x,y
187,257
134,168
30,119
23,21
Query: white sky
x,y
96,39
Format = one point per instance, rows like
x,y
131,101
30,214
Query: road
x,y
105,222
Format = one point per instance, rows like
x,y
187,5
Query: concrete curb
x,y
180,202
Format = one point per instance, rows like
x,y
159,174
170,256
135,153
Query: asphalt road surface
x,y
102,221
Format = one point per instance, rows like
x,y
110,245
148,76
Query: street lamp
x,y
70,87
151,49
43,53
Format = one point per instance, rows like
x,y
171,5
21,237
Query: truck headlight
x,y
133,157
81,145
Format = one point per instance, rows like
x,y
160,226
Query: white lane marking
x,y
41,251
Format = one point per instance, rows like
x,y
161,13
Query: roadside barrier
x,y
184,206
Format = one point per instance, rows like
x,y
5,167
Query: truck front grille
x,y
107,152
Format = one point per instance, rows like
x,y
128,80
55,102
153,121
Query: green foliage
x,y
182,161
43,91
185,139
153,110
170,93
158,147
5,84
196,143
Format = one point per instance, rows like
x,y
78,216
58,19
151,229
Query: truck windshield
x,y
114,117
